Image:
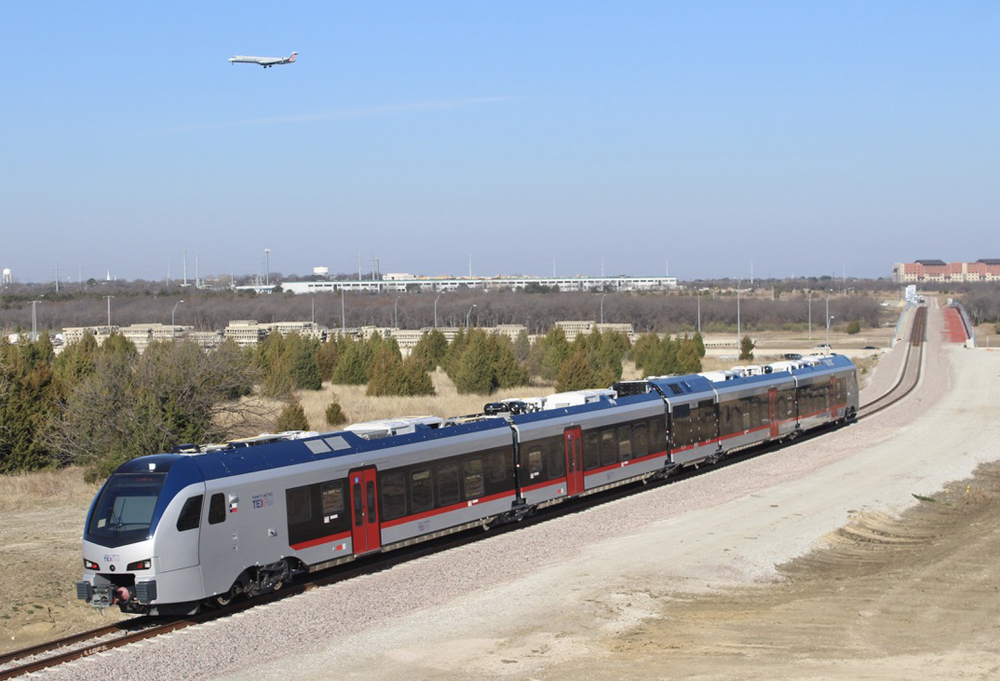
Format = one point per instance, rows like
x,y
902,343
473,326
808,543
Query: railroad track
x,y
909,377
98,640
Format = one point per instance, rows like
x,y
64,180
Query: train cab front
x,y
120,559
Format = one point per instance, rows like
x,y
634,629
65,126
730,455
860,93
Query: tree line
x,y
716,309
98,405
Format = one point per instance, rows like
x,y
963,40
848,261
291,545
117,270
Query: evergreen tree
x,y
292,417
414,379
454,353
352,366
301,360
507,371
688,358
474,370
575,373
746,349
430,350
120,346
76,361
854,327
699,343
30,399
640,352
326,357
548,354
384,373
522,347
661,359
335,415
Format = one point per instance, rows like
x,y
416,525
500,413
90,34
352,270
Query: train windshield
x,y
124,512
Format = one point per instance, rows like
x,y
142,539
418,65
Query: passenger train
x,y
171,533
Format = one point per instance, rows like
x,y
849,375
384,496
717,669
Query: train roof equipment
x,y
373,430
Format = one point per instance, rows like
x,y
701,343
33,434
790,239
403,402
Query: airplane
x,y
266,62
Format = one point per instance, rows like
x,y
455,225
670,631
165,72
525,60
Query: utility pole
x,y
109,309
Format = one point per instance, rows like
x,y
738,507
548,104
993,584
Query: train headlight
x,y
90,565
140,565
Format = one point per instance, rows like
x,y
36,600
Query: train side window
x,y
217,509
393,489
609,447
299,503
591,451
473,481
656,435
190,516
639,445
332,497
421,491
496,466
624,443
534,462
447,484
359,504
555,453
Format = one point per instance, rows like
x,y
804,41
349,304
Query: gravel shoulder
x,y
811,562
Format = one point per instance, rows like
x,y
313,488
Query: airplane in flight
x,y
266,62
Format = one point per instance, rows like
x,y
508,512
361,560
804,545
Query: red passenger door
x,y
364,511
574,461
772,410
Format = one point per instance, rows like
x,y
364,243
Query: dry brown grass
x,y
64,487
359,407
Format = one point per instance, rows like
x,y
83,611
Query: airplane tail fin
x,y
292,57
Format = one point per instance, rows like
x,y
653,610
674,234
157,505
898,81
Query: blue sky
x,y
804,138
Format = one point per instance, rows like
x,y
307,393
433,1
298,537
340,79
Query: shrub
x,y
335,415
292,417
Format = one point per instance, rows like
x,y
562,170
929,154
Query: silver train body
x,y
170,533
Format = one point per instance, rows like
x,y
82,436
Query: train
x,y
177,532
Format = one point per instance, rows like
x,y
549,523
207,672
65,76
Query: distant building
x,y
572,329
248,332
986,269
400,283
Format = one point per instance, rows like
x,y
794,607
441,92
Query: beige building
x,y
572,329
144,334
986,269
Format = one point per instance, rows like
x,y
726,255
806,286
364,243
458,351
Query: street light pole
x,y
467,315
172,313
109,309
810,315
602,307
395,313
738,284
436,310
34,320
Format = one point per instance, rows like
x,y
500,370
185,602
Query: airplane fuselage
x,y
266,62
